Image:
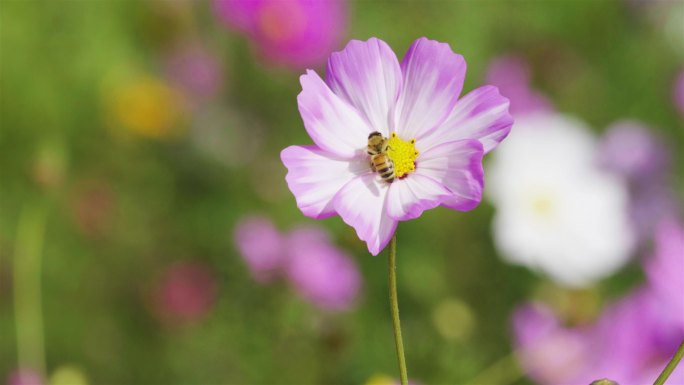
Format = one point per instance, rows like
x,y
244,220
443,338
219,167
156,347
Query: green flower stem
x,y
27,287
394,307
670,365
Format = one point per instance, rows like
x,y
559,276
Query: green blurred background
x,y
113,203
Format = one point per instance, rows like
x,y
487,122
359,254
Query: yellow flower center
x,y
543,205
403,154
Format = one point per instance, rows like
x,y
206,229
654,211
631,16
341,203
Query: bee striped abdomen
x,y
384,166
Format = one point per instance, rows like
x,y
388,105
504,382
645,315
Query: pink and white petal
x,y
314,177
361,203
433,79
482,114
409,197
366,74
458,166
333,124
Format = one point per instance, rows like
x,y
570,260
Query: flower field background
x,y
148,236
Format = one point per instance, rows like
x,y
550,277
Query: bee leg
x,y
372,167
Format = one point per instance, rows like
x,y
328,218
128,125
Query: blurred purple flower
x,y
512,76
649,204
296,33
549,352
24,377
320,272
261,246
634,343
679,93
436,140
665,271
187,290
195,71
631,150
630,343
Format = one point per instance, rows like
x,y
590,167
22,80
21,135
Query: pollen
x,y
403,154
542,205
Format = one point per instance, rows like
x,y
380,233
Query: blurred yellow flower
x,y
146,106
381,379
68,375
453,319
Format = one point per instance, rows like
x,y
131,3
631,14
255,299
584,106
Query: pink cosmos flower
x,y
319,272
294,33
629,344
633,344
436,139
665,271
630,149
261,246
549,352
511,74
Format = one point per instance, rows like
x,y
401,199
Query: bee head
x,y
376,142
374,134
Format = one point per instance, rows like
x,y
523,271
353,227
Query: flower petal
x,y
433,79
409,197
366,74
458,166
314,177
482,114
361,204
332,123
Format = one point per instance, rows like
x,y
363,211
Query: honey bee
x,y
380,161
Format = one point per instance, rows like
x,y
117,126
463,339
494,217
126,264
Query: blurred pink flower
x,y
630,149
186,290
512,76
628,344
319,272
649,204
436,139
679,93
665,271
24,377
549,352
632,340
261,246
295,33
195,71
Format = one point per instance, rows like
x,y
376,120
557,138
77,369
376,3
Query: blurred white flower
x,y
556,211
